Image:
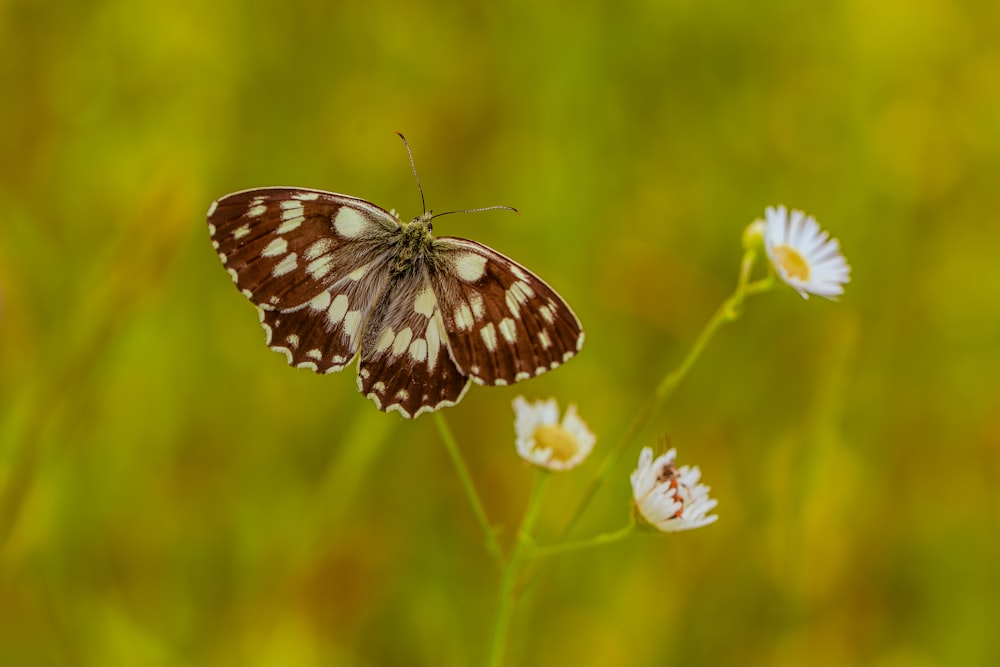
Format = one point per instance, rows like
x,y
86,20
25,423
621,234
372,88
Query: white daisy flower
x,y
544,442
804,255
670,498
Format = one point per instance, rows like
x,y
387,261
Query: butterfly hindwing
x,y
405,363
504,323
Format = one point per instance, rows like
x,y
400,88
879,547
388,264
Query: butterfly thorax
x,y
413,243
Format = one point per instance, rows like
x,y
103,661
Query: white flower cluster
x,y
667,498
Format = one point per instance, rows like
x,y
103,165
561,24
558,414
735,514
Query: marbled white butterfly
x,y
331,274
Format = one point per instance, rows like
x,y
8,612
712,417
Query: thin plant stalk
x,y
505,602
589,543
492,545
729,311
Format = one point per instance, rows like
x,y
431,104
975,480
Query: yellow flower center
x,y
558,440
791,262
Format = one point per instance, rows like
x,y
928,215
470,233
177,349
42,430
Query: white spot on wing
x,y
508,329
546,312
512,305
338,309
318,249
289,224
478,307
256,210
463,318
241,231
418,350
435,333
352,322
306,196
517,271
521,291
348,222
489,334
424,304
402,341
318,268
315,353
287,265
385,340
543,338
276,247
321,301
470,267
211,211
292,340
359,273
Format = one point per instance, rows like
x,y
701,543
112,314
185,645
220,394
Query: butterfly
x,y
333,276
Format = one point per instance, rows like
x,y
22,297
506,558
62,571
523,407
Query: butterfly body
x,y
415,244
334,275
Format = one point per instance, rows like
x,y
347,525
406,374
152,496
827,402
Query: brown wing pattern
x,y
283,246
311,261
405,365
504,323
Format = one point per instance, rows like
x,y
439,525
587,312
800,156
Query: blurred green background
x,y
172,493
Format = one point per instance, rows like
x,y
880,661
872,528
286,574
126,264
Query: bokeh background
x,y
172,493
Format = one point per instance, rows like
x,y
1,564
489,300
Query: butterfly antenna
x,y
423,204
478,210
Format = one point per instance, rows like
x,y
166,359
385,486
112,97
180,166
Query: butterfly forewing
x,y
284,246
504,323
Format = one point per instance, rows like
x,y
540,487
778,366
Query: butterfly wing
x,y
313,263
405,364
503,323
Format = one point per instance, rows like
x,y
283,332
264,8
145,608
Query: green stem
x,y
505,603
492,545
578,545
728,311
